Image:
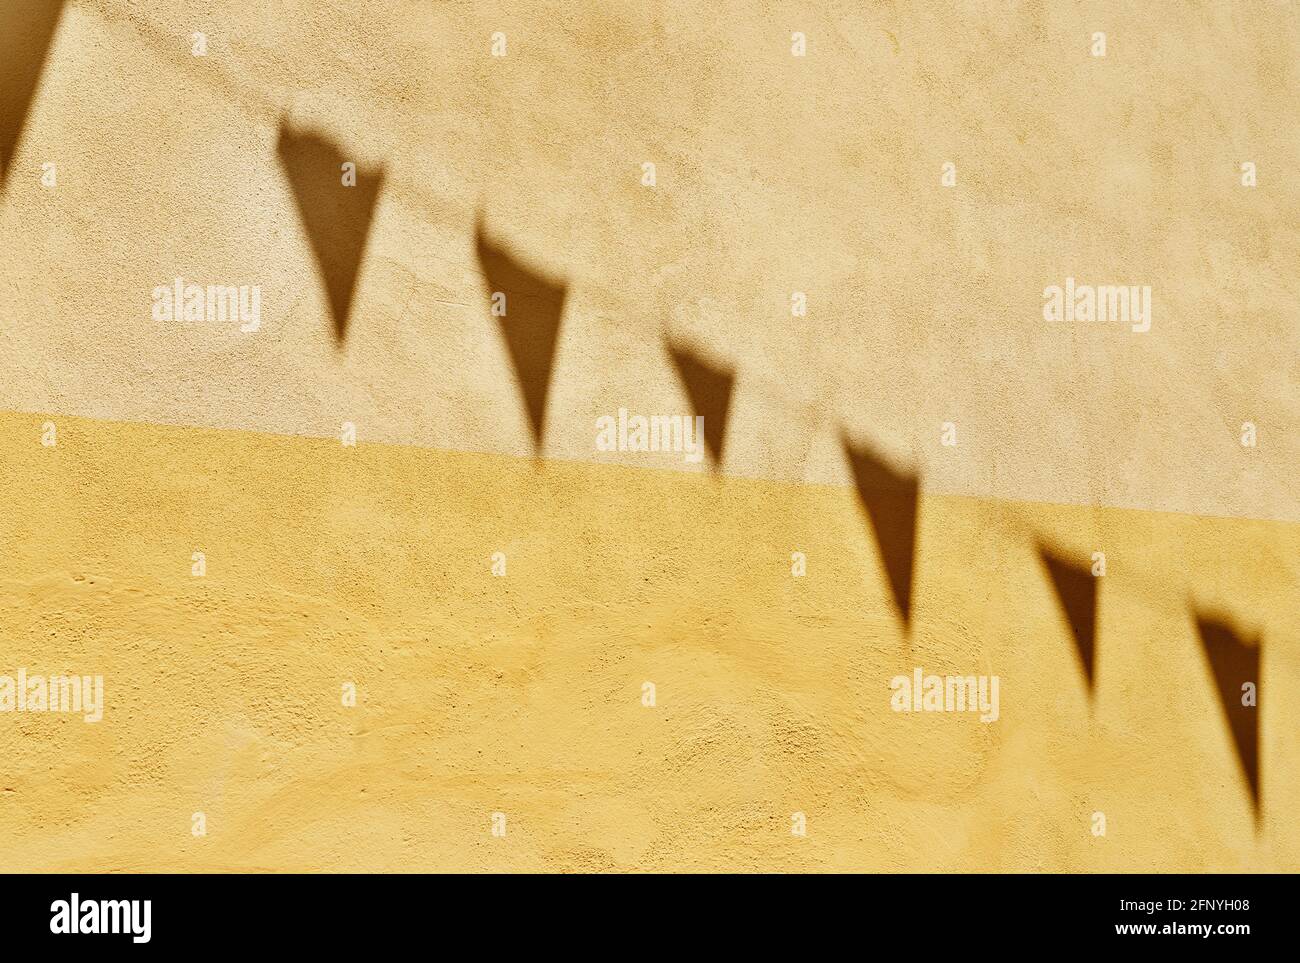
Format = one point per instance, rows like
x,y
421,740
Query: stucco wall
x,y
775,174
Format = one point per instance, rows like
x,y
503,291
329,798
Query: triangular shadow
x,y
335,217
708,388
1076,588
534,307
1234,660
889,498
26,34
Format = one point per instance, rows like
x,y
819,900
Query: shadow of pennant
x,y
336,218
1235,661
709,390
1076,588
27,30
889,498
534,307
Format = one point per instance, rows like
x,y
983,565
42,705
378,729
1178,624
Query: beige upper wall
x,y
775,174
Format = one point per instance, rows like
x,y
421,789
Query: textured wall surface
x,y
522,695
820,174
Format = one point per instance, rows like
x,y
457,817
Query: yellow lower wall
x,y
523,694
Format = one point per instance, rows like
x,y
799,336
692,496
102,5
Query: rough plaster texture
x,y
522,694
775,174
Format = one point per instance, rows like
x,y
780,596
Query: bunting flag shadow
x,y
26,34
528,307
1234,662
889,498
1076,588
335,217
708,388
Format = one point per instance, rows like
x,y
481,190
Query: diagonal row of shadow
x,y
336,208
